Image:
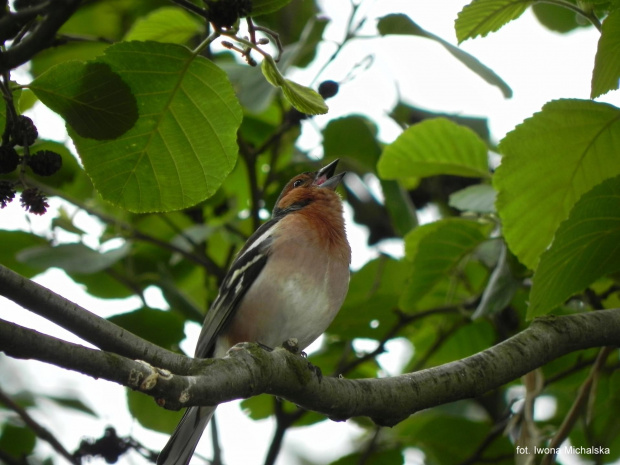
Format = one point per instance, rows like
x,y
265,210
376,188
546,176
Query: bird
x,y
288,281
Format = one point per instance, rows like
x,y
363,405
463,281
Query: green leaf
x,y
479,198
12,243
400,207
373,293
428,431
166,24
258,407
374,457
179,300
101,20
606,75
290,20
433,147
402,24
483,16
363,149
91,98
80,51
144,409
254,91
17,441
557,18
435,250
73,258
65,222
586,247
104,286
74,404
549,161
500,289
302,98
467,340
16,97
27,99
184,143
261,7
148,324
406,115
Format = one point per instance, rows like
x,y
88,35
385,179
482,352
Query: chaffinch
x,y
288,281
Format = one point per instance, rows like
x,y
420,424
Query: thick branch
x,y
98,331
20,342
248,370
41,37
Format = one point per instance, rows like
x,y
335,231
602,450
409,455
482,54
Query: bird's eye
x,y
298,183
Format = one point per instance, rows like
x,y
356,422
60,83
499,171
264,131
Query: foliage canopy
x,y
183,144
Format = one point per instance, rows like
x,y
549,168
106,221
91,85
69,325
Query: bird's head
x,y
307,187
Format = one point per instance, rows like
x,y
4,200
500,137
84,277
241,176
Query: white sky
x,y
537,64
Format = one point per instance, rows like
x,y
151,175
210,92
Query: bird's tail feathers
x,y
183,442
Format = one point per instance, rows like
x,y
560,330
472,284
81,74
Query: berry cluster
x,y
21,131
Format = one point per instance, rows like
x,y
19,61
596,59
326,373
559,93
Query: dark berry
x,y
45,162
24,131
7,193
328,89
9,159
34,201
294,116
225,13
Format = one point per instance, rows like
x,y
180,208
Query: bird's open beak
x,y
325,176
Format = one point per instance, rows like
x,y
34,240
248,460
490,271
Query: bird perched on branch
x,y
288,281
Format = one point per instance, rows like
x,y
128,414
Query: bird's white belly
x,y
297,305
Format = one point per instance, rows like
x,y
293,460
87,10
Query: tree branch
x,y
98,331
248,370
57,13
25,343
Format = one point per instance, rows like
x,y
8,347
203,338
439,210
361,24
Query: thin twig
x,y
351,32
256,193
215,441
577,407
11,114
39,430
441,339
193,8
284,421
577,367
134,233
370,447
404,319
496,431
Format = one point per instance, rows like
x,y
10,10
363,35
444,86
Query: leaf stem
x,y
205,43
248,43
